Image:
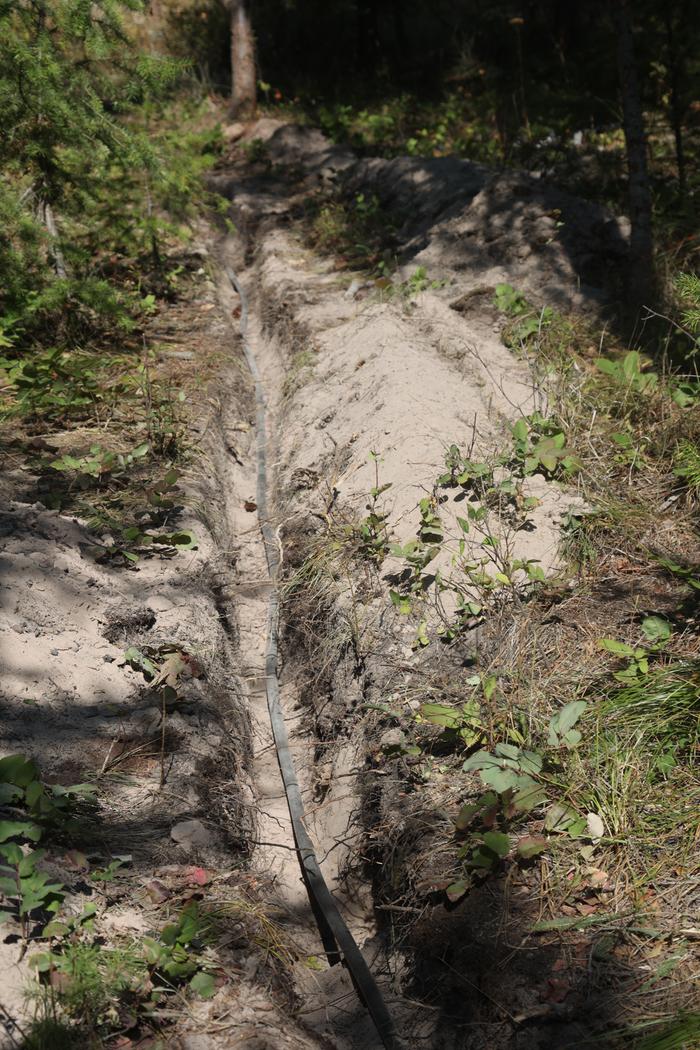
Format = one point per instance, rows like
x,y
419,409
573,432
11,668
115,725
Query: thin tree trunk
x,y
243,73
55,249
676,114
642,278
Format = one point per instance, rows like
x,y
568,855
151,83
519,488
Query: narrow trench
x,y
330,1008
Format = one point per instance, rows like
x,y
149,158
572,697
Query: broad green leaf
x,y
55,929
185,539
29,862
11,853
499,779
656,628
18,770
482,858
203,984
152,950
480,760
528,795
560,817
507,751
441,715
498,842
471,734
567,718
41,961
531,845
576,828
619,648
521,430
9,792
456,890
33,793
530,762
10,829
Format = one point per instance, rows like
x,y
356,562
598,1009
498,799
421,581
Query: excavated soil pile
x,y
358,381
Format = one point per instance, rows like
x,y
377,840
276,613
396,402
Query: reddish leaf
x,y
60,981
157,891
556,991
530,845
76,860
198,876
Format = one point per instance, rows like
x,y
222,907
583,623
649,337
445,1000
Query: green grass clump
x,y
663,707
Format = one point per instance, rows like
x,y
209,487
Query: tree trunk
x,y
243,74
674,63
641,274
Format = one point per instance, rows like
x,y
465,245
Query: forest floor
x,y
510,829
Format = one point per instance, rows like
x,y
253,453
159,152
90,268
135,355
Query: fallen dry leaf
x,y
199,876
157,891
596,827
556,990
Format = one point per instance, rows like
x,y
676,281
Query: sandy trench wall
x,y
357,377
378,379
369,377
405,381
69,702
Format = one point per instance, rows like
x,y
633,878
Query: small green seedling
x,y
540,448
100,465
463,722
561,732
657,630
175,954
630,372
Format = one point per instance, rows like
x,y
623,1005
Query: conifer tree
x,y
68,71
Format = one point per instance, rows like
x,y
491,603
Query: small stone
x,y
232,132
392,739
191,834
159,603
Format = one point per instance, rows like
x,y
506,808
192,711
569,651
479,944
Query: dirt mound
x,y
372,389
473,224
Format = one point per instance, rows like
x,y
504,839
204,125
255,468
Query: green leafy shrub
x,y
31,810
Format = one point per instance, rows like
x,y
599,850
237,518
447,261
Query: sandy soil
x,y
346,375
